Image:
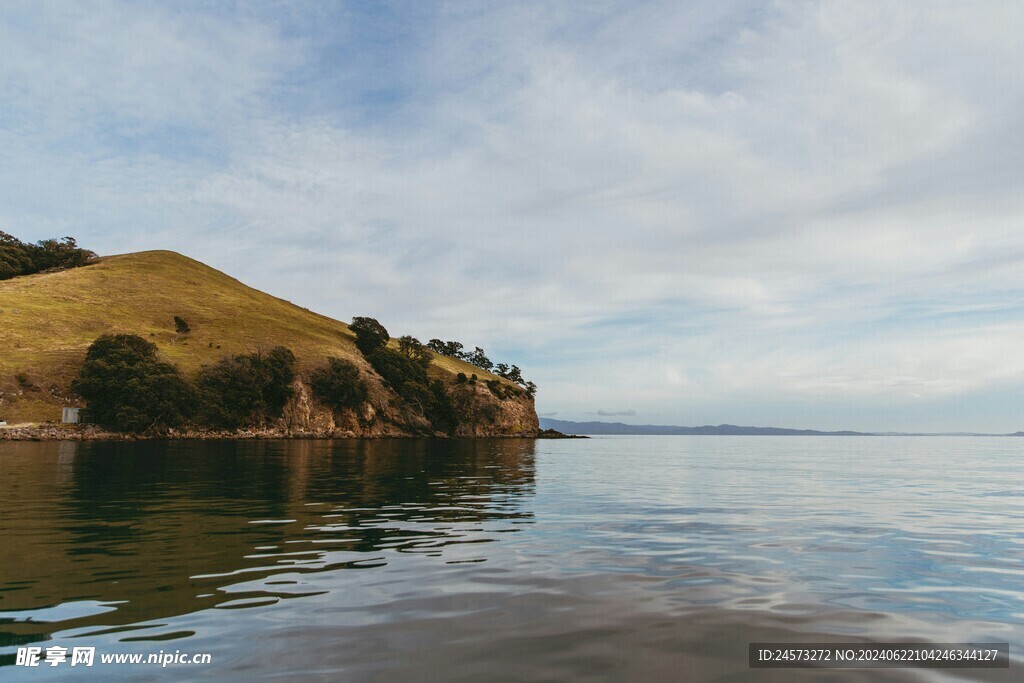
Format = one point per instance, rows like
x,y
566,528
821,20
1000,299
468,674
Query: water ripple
x,y
613,557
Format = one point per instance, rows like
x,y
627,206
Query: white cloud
x,y
71,67
663,205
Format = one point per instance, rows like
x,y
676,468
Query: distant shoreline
x,y
56,432
93,433
622,429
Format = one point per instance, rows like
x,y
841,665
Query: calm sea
x,y
614,558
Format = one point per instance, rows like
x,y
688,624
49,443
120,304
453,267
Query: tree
x,y
397,369
479,359
127,388
15,258
247,389
338,384
441,412
370,334
278,368
531,389
62,253
413,348
21,258
514,374
230,393
180,326
408,378
454,349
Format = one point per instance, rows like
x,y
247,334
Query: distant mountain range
x,y
592,428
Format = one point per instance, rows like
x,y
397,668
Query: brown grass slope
x,y
47,322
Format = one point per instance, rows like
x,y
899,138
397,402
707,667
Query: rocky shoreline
x,y
93,433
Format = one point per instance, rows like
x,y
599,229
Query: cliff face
x,y
481,414
380,415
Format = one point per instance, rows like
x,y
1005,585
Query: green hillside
x,y
47,322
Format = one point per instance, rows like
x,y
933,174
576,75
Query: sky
x,y
798,214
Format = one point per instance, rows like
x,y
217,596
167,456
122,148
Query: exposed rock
x,y
304,414
481,413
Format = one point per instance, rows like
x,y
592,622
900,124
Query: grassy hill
x,y
47,321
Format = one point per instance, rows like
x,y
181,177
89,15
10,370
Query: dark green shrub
x,y
461,378
231,394
405,371
246,390
15,258
413,349
408,379
180,326
127,388
396,369
278,374
441,412
338,384
370,334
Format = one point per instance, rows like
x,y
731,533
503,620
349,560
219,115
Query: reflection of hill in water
x,y
163,526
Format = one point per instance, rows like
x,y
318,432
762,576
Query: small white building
x,y
69,416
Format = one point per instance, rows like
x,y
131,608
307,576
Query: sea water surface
x,y
613,558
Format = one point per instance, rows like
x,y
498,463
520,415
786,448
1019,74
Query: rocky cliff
x,y
481,414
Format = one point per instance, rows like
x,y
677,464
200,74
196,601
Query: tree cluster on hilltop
x,y
478,357
25,258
